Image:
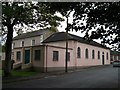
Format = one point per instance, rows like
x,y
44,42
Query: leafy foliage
x,y
24,13
104,17
28,14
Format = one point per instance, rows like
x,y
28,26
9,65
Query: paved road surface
x,y
99,77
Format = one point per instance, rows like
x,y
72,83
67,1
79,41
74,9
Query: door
x,y
27,56
103,59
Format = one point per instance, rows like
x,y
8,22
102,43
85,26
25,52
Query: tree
x,y
106,16
24,13
101,16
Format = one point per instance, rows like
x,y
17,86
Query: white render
x,y
74,61
47,49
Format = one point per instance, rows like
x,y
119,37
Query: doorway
x,y
103,59
27,56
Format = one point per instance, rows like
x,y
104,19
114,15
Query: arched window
x,y
93,54
78,52
86,53
98,54
103,53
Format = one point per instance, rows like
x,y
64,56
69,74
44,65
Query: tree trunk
x,y
8,50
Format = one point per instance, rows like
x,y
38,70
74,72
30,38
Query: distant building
x,y
48,54
114,55
2,56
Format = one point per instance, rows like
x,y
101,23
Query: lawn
x,y
23,73
20,73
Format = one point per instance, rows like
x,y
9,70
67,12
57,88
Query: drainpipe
x,y
46,59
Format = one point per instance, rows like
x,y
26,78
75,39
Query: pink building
x,y
50,54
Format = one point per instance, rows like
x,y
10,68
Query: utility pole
x,y
66,58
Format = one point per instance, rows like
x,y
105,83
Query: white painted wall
x,y
27,41
74,61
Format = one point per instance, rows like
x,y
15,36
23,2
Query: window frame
x,y
68,59
18,56
78,52
86,53
93,54
41,38
55,55
22,43
98,55
13,45
37,57
33,42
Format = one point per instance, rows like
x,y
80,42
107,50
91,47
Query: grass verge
x,y
16,73
23,73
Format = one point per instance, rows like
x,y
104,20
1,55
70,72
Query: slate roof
x,y
115,52
29,34
60,36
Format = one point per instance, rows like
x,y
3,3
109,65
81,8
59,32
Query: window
x,y
33,42
68,56
37,55
41,38
107,55
22,43
13,45
86,53
113,57
98,54
55,55
102,52
78,52
119,57
93,54
18,56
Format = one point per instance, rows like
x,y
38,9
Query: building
x,y
114,56
50,54
23,44
2,58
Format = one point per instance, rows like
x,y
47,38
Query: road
x,y
98,77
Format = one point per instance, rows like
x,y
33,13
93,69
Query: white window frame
x,y
32,44
41,38
22,43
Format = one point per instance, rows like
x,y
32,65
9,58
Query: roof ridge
x,y
29,34
57,37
